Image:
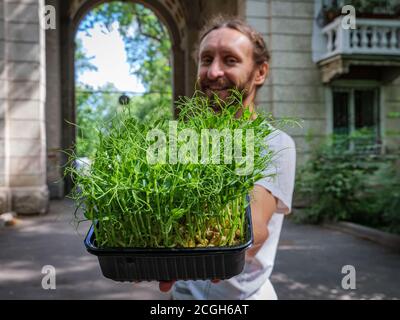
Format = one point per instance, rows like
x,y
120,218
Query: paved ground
x,y
52,239
308,264
310,259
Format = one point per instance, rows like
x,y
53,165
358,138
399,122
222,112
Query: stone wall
x,y
53,108
294,87
4,198
23,98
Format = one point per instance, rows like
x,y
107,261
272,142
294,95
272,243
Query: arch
x,y
166,15
170,12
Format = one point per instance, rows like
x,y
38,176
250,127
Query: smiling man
x,y
230,55
228,59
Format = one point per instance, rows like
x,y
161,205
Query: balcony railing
x,y
371,37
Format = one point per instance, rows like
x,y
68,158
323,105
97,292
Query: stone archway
x,y
169,12
183,18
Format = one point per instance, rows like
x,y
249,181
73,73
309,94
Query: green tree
x,y
84,112
146,41
148,51
82,60
94,109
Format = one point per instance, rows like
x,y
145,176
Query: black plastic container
x,y
165,264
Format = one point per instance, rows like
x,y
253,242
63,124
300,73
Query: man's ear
x,y
261,73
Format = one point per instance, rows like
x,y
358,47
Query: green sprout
x,y
181,204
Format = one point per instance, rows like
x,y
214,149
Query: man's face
x,y
226,62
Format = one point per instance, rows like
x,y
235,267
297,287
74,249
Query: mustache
x,y
219,84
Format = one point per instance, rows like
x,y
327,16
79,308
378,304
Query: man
x,y
233,55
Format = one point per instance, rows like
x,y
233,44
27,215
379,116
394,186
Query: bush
x,y
347,185
387,196
330,181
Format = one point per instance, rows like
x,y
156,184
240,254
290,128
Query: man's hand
x,y
165,286
263,205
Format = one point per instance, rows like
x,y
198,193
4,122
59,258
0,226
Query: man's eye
x,y
230,61
206,61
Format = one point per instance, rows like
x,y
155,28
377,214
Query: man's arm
x,y
263,204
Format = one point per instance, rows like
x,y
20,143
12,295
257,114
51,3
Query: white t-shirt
x,y
253,282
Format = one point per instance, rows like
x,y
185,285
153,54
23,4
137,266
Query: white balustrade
x,y
371,36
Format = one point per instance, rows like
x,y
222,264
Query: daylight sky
x,y
109,58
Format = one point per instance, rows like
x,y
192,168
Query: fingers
x,y
165,286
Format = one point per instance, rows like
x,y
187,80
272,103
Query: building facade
x,y
334,79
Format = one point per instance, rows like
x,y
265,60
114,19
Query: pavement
x,y
308,264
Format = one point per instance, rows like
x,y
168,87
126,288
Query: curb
x,y
383,238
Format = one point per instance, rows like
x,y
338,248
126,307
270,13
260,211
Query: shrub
x,y
340,184
332,181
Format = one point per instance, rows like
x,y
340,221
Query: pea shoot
x,y
186,200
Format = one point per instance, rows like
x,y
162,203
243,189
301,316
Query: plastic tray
x,y
165,264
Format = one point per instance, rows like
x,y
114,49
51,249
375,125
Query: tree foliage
x,y
148,51
146,39
94,109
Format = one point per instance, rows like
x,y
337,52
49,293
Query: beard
x,y
221,89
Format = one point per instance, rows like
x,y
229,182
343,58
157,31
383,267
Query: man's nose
x,y
215,70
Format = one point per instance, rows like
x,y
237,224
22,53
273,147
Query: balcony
x,y
371,50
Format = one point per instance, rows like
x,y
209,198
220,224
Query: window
x,y
356,116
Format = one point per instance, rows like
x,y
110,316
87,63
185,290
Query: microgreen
x,y
133,203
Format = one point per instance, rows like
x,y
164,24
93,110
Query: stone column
x,y
53,108
23,96
5,203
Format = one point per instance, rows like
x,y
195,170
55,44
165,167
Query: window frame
x,y
351,86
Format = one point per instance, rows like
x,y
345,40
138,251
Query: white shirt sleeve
x,y
281,185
